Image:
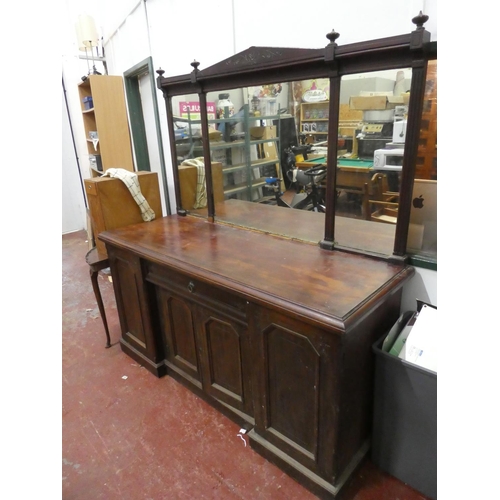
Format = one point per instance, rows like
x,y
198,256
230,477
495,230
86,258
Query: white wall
x,y
290,24
423,286
74,215
176,32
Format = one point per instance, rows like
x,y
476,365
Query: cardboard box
x,y
257,133
265,150
111,204
268,132
270,151
188,179
348,114
368,102
378,102
400,100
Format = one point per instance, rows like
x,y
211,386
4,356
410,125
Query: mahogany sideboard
x,y
273,332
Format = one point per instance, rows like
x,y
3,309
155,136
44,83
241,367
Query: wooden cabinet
x,y
272,330
227,360
104,113
294,411
177,324
140,336
316,409
111,204
314,118
206,338
282,350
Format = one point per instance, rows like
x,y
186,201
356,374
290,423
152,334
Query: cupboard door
x,y
133,299
296,407
226,359
178,327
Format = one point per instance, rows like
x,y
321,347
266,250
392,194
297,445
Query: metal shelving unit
x,y
244,172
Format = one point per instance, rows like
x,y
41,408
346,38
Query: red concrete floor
x,y
127,435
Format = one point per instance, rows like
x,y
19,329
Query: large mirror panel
x,y
422,230
318,156
254,157
269,149
189,152
372,120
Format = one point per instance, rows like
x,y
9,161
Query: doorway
x,y
140,88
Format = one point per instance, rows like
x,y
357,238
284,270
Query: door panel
x,y
131,314
296,377
293,382
226,369
177,326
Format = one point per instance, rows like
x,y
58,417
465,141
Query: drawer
x,y
206,294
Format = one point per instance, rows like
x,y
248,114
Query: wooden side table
x,y
97,262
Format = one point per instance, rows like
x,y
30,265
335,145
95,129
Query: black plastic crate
x,y
404,437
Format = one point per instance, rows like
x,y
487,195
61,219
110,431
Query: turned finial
x,y
420,20
195,71
330,48
332,36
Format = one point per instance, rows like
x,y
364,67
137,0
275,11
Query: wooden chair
x,y
381,205
97,262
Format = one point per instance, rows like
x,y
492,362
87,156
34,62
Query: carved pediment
x,y
261,57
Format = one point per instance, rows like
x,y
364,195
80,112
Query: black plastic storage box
x,y
96,162
404,438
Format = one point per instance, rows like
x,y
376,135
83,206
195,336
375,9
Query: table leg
x,y
95,285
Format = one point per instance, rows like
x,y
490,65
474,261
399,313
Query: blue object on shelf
x,y
271,180
88,103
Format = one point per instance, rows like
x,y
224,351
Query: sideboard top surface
x,y
326,285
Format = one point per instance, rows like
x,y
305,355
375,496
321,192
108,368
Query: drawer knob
x,y
191,287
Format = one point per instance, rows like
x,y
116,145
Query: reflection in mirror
x,y
255,153
422,231
268,149
189,152
244,165
372,125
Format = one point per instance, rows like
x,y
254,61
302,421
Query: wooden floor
x,y
128,435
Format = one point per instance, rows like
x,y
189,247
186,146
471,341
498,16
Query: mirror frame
x,y
267,65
